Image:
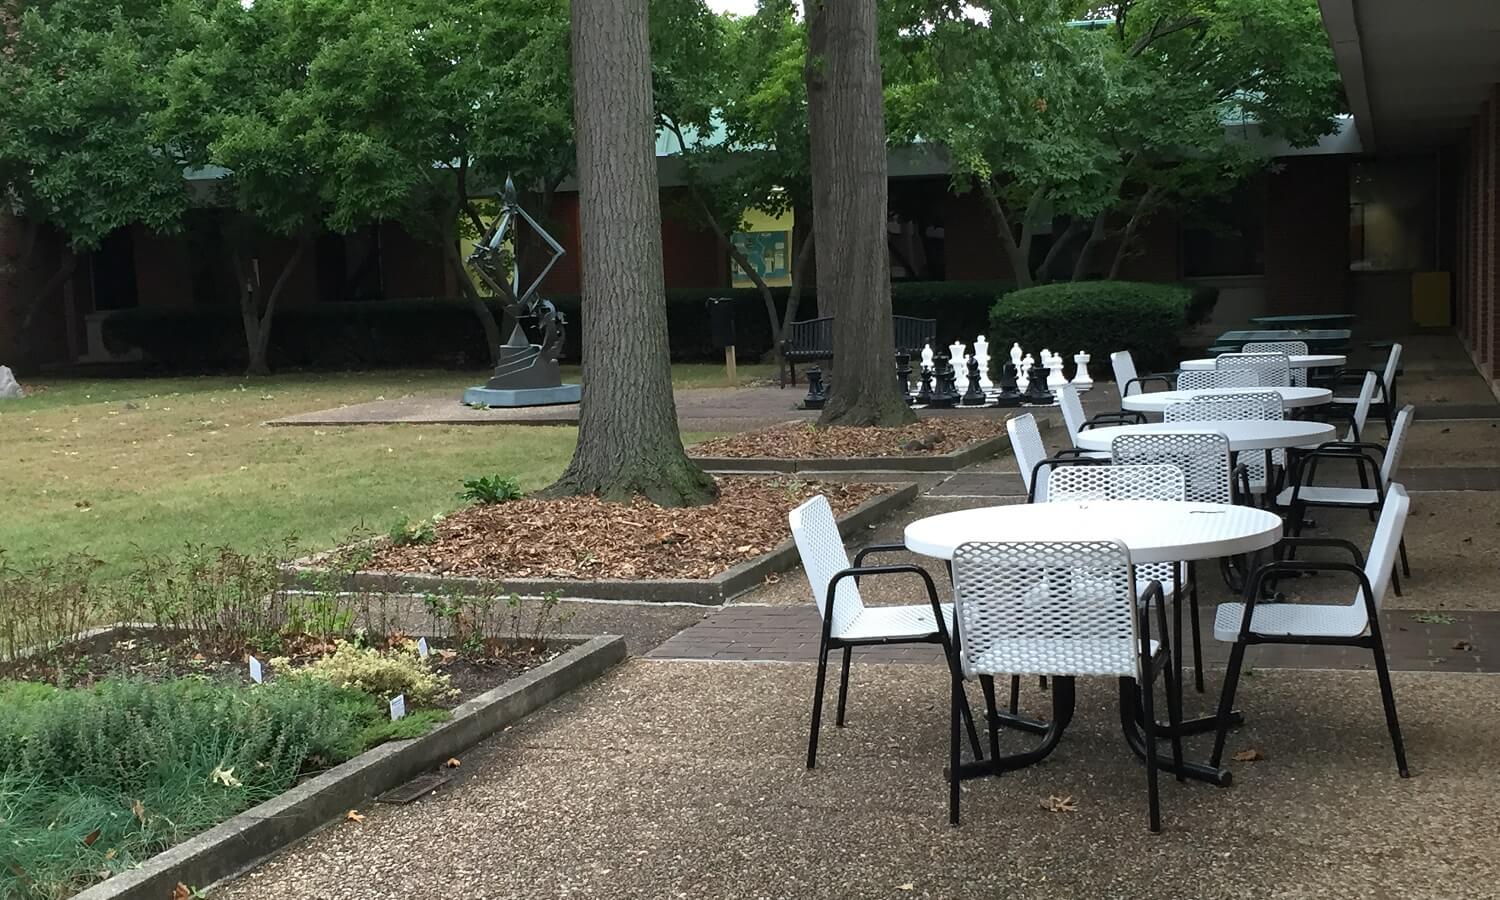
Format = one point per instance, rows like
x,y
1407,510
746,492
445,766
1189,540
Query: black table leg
x,y
1062,714
1130,714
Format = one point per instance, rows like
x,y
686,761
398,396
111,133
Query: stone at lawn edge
x,y
9,389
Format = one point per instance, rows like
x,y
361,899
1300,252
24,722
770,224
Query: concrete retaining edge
x,y
230,847
942,462
712,591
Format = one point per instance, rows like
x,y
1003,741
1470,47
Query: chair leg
x,y
1197,637
1226,700
817,710
844,686
991,716
1015,695
1405,565
1388,699
1174,710
1148,726
953,751
1396,582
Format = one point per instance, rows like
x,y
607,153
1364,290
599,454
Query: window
x,y
1225,236
1393,214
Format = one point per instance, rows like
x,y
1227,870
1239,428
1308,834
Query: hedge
x,y
1101,317
443,331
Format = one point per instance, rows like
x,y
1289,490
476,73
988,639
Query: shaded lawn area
x,y
121,466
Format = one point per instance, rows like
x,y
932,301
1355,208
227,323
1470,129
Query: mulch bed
x,y
584,537
801,440
156,655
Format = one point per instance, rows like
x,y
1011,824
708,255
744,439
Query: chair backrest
x,y
1150,482
1385,544
1249,406
1072,411
1046,608
1207,379
1362,408
1201,456
1124,367
1393,447
1271,369
1026,444
1392,363
1290,348
816,534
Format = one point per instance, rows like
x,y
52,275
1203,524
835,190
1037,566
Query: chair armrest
x,y
1336,543
859,558
1347,447
1153,590
1143,380
1123,417
1312,456
1064,458
898,569
1297,566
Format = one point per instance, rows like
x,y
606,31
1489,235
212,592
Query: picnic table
x,y
1314,337
1313,320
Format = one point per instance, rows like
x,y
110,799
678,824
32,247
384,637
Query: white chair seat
x,y
1299,619
1341,496
1037,657
904,622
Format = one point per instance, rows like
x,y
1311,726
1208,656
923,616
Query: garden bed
x,y
931,445
582,547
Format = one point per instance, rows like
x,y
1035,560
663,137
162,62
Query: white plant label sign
x,y
398,707
257,674
422,648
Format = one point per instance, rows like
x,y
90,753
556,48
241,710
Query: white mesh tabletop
x,y
1310,361
1291,397
1243,434
1153,530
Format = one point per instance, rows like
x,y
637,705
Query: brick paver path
x,y
1415,641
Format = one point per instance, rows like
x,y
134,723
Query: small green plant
x,y
488,489
405,533
382,673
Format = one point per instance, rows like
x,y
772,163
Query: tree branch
x,y
1159,31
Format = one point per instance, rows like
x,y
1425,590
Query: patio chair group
x,y
1063,609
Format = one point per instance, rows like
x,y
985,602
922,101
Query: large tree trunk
x,y
628,441
492,337
1132,227
726,244
257,321
846,124
1015,253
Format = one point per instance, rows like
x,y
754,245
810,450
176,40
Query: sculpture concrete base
x,y
547,396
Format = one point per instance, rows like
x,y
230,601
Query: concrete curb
x,y
716,590
230,847
942,462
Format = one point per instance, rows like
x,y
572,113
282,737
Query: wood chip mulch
x,y
801,440
584,537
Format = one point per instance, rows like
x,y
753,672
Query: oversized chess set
x,y
1024,381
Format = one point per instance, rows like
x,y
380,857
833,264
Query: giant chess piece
x,y
982,353
527,373
817,392
1023,373
1081,379
1036,387
927,357
945,395
924,395
974,396
1015,355
1009,396
1056,379
956,353
903,374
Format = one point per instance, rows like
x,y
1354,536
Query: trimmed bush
x,y
1097,316
443,331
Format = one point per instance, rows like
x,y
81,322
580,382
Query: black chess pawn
x,y
945,395
1010,396
924,394
1036,392
974,396
817,392
903,374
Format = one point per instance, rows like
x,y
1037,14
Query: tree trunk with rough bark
x,y
628,442
258,321
846,125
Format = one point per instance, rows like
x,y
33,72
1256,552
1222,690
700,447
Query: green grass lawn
x,y
110,467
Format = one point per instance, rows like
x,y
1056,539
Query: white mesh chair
x,y
1128,380
1271,369
1382,390
1032,459
1377,467
847,621
1203,459
1208,379
1059,609
1076,420
1353,624
1250,406
1290,348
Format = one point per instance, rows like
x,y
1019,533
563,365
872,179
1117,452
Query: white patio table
x,y
1291,397
1243,434
1152,530
1309,361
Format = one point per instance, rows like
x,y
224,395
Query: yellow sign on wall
x,y
767,243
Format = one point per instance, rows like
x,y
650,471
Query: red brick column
x,y
1490,348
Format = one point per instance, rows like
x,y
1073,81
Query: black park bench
x,y
812,341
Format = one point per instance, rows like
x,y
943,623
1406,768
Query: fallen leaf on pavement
x,y
453,763
1251,755
182,892
1462,645
906,887
353,815
1055,803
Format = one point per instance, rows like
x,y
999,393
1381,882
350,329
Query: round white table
x,y
1243,434
1291,397
1153,530
1310,361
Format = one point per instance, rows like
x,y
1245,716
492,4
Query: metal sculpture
x,y
527,372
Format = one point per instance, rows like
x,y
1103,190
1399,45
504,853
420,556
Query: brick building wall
x,y
1477,287
1307,235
